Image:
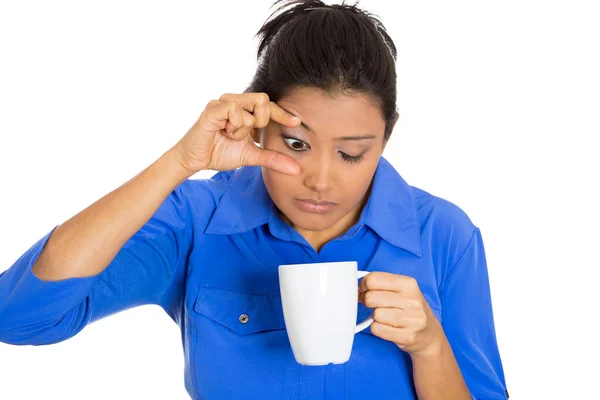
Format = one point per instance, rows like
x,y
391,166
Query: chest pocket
x,y
244,312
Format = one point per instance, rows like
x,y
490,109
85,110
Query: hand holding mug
x,y
401,313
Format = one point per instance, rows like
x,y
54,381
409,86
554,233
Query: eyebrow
x,y
357,137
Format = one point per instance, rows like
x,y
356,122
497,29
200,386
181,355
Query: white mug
x,y
320,304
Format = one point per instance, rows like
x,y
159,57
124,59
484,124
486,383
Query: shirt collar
x,y
391,211
245,204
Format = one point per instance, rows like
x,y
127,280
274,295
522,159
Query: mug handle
x,y
367,322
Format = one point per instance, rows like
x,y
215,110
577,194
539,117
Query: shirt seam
x,y
242,291
176,232
454,267
218,204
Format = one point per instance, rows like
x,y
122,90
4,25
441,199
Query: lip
x,y
314,206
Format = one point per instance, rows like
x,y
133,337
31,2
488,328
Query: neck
x,y
318,239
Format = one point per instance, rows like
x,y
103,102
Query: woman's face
x,y
338,147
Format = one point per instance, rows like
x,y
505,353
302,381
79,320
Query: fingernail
x,y
295,119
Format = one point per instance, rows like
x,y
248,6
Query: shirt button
x,y
244,318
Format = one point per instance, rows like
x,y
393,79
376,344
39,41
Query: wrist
x,y
177,164
433,350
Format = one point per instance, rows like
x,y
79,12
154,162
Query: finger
x,y
243,131
385,331
212,103
283,117
383,298
255,103
221,116
390,316
388,281
270,159
262,108
236,118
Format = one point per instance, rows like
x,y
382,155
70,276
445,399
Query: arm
x,y
455,359
84,245
437,376
402,315
468,323
124,250
92,266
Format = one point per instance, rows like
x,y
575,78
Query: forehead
x,y
335,115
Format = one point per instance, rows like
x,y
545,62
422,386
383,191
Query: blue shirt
x,y
210,254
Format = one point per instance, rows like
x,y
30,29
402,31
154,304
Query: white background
x,y
499,105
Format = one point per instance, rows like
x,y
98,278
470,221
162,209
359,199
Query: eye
x,y
352,159
295,144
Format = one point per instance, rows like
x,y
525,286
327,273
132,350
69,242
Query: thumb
x,y
274,160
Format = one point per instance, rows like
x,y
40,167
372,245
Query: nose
x,y
319,175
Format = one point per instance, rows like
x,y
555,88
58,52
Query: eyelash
x,y
348,158
352,159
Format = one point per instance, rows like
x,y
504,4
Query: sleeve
x,y
147,270
468,323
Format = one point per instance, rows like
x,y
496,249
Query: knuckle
x,y
224,96
411,281
369,299
408,302
229,128
370,280
378,314
262,99
212,103
273,160
377,329
270,160
411,337
262,122
249,122
403,339
414,303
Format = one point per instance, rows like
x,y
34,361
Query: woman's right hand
x,y
221,139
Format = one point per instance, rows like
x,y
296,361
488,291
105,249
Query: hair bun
x,y
337,48
287,11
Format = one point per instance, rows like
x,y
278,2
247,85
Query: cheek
x,y
269,139
278,185
353,193
354,185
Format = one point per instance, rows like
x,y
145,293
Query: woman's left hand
x,y
401,313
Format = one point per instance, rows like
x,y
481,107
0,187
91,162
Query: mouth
x,y
314,206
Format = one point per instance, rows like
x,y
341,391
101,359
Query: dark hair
x,y
339,49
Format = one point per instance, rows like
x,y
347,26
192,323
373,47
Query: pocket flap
x,y
244,312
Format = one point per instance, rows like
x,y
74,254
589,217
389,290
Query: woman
x,y
322,106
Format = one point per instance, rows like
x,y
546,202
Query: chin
x,y
311,222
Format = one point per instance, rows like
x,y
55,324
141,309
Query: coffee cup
x,y
320,305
